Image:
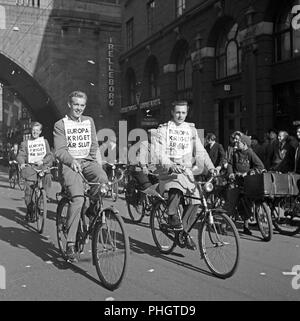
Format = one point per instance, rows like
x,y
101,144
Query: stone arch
x,y
180,45
2,18
31,92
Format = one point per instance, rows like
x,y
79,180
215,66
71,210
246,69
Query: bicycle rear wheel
x,y
219,245
135,202
264,220
114,191
164,241
286,216
110,249
61,225
40,209
12,181
21,182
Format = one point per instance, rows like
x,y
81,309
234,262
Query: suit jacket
x,y
283,158
216,154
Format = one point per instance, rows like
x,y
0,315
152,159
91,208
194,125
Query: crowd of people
x,y
179,156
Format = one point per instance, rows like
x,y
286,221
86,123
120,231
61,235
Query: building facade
x,y
49,48
236,62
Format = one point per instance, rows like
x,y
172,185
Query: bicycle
x,y
261,214
110,243
16,177
139,202
218,238
116,177
38,200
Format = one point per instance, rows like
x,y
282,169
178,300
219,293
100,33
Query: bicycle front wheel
x,y
163,238
219,244
110,249
40,209
61,225
264,220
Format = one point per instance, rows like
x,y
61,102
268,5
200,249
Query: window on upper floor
x,y
2,18
228,52
129,33
152,75
287,40
150,16
180,7
131,87
184,73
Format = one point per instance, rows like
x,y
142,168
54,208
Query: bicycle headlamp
x,y
42,174
104,189
208,187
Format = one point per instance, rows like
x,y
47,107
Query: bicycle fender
x,y
218,209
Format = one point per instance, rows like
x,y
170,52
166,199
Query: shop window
x,y
228,53
287,39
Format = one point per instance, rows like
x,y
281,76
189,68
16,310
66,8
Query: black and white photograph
x,y
150,153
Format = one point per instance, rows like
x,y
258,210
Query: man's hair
x,y
286,134
211,136
78,94
36,124
180,103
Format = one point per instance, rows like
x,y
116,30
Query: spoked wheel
x,y
286,216
163,239
135,202
110,248
114,191
61,225
21,183
12,182
40,209
264,220
219,244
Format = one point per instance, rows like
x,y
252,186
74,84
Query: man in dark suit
x,y
283,155
297,154
215,150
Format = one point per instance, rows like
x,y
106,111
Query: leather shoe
x,y
174,222
71,253
247,231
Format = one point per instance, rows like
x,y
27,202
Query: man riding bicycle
x,y
34,152
76,148
177,145
243,161
12,161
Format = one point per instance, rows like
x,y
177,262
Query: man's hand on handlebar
x,y
178,169
213,172
76,166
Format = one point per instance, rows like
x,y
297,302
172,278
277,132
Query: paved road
x,y
35,270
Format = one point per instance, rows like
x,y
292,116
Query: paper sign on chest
x,y
79,139
179,140
36,150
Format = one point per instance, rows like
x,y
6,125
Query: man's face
x,y
281,137
237,142
36,131
179,114
15,148
272,135
77,106
298,133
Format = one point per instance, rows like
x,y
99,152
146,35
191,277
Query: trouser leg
x,y
74,184
189,216
174,197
